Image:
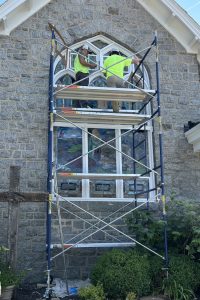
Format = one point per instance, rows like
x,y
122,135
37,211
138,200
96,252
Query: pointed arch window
x,y
100,47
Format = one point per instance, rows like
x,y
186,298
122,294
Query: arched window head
x,y
100,47
66,79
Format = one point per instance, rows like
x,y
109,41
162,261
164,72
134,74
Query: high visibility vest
x,y
78,67
116,64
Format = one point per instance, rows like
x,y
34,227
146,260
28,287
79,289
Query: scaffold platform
x,y
99,117
97,176
102,93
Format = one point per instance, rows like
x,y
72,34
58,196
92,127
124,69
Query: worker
x,y
116,63
81,67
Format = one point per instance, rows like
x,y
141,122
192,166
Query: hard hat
x,y
114,50
86,47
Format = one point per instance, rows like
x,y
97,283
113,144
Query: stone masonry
x,y
24,59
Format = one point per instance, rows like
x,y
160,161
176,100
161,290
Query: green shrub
x,y
184,276
122,272
157,273
7,275
183,228
131,296
185,272
146,225
175,291
92,293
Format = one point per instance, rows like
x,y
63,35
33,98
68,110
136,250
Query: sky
x,y
191,6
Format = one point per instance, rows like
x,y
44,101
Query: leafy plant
x,y
7,275
92,292
147,226
185,272
131,296
175,291
182,229
157,273
122,272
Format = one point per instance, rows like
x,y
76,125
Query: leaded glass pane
x,y
127,147
102,188
65,80
135,146
60,66
102,159
69,147
92,58
99,44
72,59
136,188
99,81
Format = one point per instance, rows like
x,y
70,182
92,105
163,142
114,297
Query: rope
x,y
61,236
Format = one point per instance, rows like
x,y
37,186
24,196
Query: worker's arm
x,y
136,60
85,63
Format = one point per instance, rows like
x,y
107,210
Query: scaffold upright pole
x,y
50,166
163,198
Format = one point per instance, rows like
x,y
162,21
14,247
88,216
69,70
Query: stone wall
x,y
25,235
24,87
24,59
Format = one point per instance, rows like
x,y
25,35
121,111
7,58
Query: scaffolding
x,y
133,120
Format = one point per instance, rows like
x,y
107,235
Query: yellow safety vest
x,y
78,67
116,64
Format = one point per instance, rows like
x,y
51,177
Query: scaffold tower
x,y
97,157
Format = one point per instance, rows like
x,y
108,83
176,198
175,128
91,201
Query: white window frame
x,y
118,145
100,54
68,70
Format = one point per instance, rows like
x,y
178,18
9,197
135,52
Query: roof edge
x,y
177,22
15,12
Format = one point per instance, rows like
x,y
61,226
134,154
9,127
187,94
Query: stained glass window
x,y
69,147
102,159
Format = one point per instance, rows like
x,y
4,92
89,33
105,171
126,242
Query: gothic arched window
x,y
77,141
100,47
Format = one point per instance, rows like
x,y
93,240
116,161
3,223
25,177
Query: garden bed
x,y
32,292
7,293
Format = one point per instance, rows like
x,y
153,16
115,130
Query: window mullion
x,y
119,183
85,182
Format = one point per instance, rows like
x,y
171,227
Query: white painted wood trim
x,y
193,137
119,183
176,21
15,12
